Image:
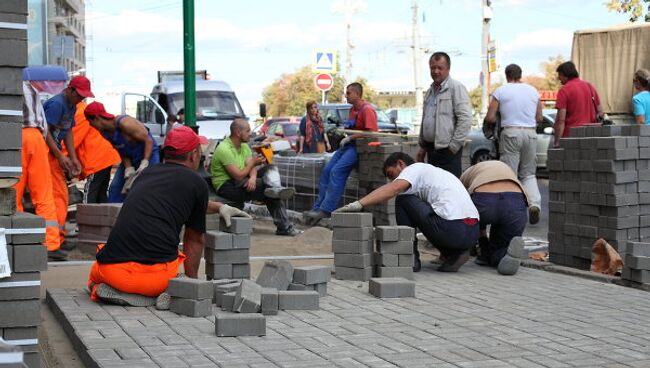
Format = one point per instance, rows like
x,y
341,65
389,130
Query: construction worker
x,y
135,144
36,174
59,114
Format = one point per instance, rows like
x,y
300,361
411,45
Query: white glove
x,y
226,212
355,206
143,165
345,141
129,172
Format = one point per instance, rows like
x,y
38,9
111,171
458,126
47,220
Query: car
x,y
483,149
285,129
336,114
262,128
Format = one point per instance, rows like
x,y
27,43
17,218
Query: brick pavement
x,y
475,318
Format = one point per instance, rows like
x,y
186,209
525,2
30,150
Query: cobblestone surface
x,y
474,318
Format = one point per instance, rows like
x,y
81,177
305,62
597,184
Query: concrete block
x,y
11,137
25,220
95,220
218,271
270,302
298,300
275,274
387,233
191,307
241,241
248,297
352,219
28,257
241,271
405,260
310,275
227,256
226,288
406,233
218,240
398,247
189,288
391,287
321,288
228,301
642,276
385,259
638,249
20,313
356,274
294,286
405,272
362,233
233,324
353,246
353,260
238,225
637,262
21,286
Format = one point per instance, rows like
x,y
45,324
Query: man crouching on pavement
x,y
141,254
432,200
502,203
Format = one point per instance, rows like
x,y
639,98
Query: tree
x,y
475,96
635,9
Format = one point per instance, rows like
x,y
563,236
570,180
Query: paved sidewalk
x,y
474,318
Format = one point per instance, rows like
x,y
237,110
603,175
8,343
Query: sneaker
x,y
57,255
109,294
312,217
509,264
516,247
291,231
162,301
279,193
453,264
533,215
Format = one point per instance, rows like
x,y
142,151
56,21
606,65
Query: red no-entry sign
x,y
324,82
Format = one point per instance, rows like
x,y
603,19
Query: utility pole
x,y
417,62
348,8
485,70
189,66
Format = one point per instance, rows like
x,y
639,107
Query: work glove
x,y
129,172
355,206
345,141
143,165
226,212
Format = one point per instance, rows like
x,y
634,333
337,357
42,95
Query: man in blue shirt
x,y
59,114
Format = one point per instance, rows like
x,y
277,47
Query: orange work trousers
x,y
133,277
37,178
60,194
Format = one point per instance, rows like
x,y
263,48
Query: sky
x,y
251,43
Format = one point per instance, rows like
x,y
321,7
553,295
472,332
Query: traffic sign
x,y
324,61
324,82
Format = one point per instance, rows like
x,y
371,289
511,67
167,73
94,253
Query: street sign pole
x,y
189,63
322,101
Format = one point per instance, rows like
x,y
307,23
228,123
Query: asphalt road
x,y
539,231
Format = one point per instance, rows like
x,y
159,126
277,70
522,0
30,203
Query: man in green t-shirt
x,y
235,176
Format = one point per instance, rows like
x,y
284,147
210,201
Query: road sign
x,y
324,61
492,57
324,82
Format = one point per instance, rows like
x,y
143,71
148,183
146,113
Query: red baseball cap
x,y
97,109
81,84
182,140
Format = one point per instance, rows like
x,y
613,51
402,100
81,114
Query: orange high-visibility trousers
x,y
133,277
60,194
36,176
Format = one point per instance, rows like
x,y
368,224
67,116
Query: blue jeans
x,y
507,214
334,176
450,237
115,189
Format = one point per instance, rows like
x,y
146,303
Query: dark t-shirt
x,y
163,199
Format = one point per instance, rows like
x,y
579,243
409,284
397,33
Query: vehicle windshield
x,y
290,129
382,117
210,105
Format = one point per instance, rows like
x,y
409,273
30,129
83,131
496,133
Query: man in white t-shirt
x,y
432,200
521,110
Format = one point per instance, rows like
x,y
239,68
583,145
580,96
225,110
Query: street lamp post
x,y
189,63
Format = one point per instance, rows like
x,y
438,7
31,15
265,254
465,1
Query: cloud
x,y
548,38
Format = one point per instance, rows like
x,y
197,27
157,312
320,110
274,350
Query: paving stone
x,y
218,240
241,241
20,313
391,287
357,274
352,246
28,257
309,275
191,307
298,300
406,233
218,271
275,274
387,260
236,324
352,219
7,202
26,220
638,249
241,271
227,256
637,262
238,225
353,260
398,247
21,286
362,233
405,260
387,233
228,301
190,288
405,272
248,298
270,302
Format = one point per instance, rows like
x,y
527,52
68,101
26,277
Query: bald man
x,y
235,176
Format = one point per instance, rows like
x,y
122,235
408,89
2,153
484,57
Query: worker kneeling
x,y
502,203
141,253
431,200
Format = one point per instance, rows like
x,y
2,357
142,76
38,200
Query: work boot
x,y
109,294
290,231
533,215
509,264
162,301
453,263
312,217
57,255
279,193
68,245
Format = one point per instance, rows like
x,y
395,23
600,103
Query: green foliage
x,y
475,96
635,9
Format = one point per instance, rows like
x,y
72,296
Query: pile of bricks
x,y
95,224
637,263
311,278
227,251
352,245
394,256
190,297
599,188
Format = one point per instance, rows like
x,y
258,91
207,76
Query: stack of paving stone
x,y
277,277
95,224
311,278
227,251
13,40
394,256
241,311
20,292
352,245
637,263
190,297
599,188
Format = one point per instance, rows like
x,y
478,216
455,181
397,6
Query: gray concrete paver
x,y
474,318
